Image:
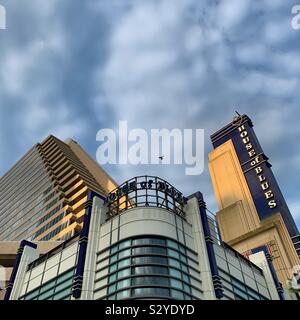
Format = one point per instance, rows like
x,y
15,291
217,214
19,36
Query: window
x,y
146,267
56,289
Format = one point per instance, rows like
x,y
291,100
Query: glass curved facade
x,y
146,268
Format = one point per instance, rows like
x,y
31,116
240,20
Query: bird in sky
x,y
161,157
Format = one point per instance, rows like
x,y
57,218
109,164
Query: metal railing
x,y
145,191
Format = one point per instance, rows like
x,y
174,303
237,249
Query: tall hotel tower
x,y
252,210
43,197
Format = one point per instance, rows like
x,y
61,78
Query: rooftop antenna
x,y
237,113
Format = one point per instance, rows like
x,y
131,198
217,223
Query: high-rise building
x,y
252,210
43,196
145,240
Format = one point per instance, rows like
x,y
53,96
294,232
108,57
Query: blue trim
x,y
83,242
217,282
271,266
12,279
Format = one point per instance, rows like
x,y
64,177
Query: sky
x,y
71,68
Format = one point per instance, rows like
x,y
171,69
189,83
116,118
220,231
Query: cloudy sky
x,y
71,67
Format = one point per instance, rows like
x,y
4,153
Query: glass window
x,y
125,253
173,253
113,268
174,263
186,288
124,273
184,268
114,249
141,281
47,286
149,250
240,293
65,284
185,278
123,284
123,294
112,278
147,241
172,244
175,273
62,294
162,292
236,272
182,249
47,295
177,295
183,258
176,284
124,263
112,288
125,244
149,260
149,270
113,258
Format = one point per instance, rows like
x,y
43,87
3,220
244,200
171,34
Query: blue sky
x,y
71,67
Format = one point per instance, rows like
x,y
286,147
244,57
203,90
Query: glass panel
x,y
124,273
176,284
112,288
183,258
125,253
47,286
145,241
175,273
172,244
184,268
113,258
150,270
32,295
124,263
173,253
151,292
186,288
64,285
47,295
149,260
113,268
123,294
140,281
149,250
123,284
177,295
114,249
112,278
125,244
65,276
185,278
174,263
62,294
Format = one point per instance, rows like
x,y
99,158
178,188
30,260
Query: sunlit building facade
x,y
144,241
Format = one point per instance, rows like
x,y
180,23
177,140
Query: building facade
x,y
43,196
252,210
145,240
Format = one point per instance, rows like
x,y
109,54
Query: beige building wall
x,y
238,219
